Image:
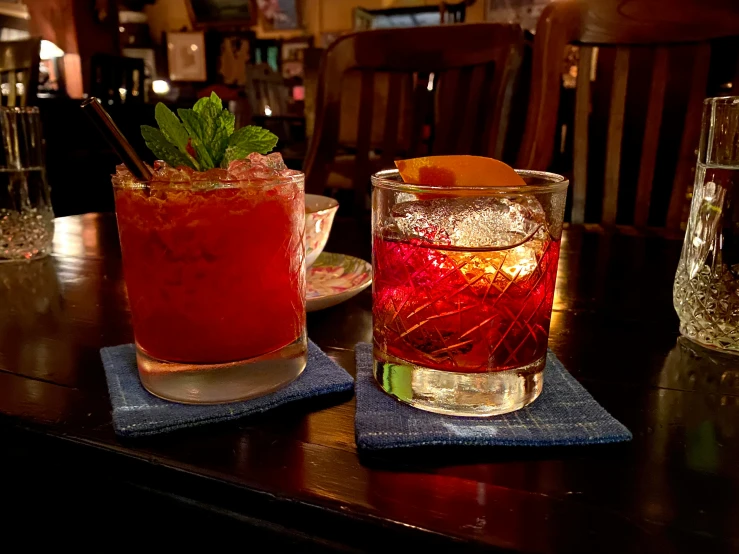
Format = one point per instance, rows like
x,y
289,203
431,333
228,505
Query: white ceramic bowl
x,y
319,216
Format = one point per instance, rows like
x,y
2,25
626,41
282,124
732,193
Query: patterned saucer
x,y
334,278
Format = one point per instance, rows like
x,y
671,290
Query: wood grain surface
x,y
293,477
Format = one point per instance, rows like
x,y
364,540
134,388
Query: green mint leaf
x,y
205,137
170,126
163,149
172,129
219,125
212,102
247,140
224,130
201,132
209,109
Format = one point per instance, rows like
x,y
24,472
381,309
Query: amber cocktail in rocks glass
x,y
214,265
463,288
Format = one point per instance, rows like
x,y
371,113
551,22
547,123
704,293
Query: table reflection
x,y
690,366
29,294
33,329
702,423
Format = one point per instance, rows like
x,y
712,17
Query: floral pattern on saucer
x,y
334,278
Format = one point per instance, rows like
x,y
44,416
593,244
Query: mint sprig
x,y
247,140
165,150
203,137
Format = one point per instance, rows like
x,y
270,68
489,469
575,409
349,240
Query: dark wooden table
x,y
292,479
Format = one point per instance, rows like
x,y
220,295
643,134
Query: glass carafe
x,y
26,218
706,291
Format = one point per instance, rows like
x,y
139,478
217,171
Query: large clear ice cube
x,y
474,222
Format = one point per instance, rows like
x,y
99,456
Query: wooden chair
x,y
268,97
400,110
266,90
642,77
19,70
312,63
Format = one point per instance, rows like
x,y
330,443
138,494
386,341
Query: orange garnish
x,y
459,171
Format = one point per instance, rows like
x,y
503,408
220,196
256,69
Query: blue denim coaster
x,y
137,413
564,414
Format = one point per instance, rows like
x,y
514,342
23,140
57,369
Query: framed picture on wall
x,y
362,19
228,52
292,56
146,54
222,13
150,64
524,12
186,56
280,14
267,51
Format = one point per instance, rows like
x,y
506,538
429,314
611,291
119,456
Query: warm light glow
x,y
49,50
123,93
160,86
430,85
121,29
194,47
267,111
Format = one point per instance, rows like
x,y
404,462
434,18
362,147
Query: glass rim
x,y
20,109
203,184
333,205
721,100
388,179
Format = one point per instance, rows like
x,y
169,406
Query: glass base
x,y
716,348
30,258
459,394
229,382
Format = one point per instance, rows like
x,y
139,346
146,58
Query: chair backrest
x,y
643,73
311,65
461,109
19,71
266,90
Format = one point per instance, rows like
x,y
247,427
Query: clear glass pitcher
x,y
26,219
706,291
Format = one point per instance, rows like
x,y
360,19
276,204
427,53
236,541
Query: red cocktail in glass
x,y
463,290
463,311
214,269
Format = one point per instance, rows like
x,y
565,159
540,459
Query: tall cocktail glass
x,y
215,275
463,290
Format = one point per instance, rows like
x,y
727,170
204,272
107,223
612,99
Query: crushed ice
x,y
254,168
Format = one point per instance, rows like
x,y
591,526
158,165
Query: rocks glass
x,y
215,274
463,289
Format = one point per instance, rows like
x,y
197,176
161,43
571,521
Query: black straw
x,y
115,138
